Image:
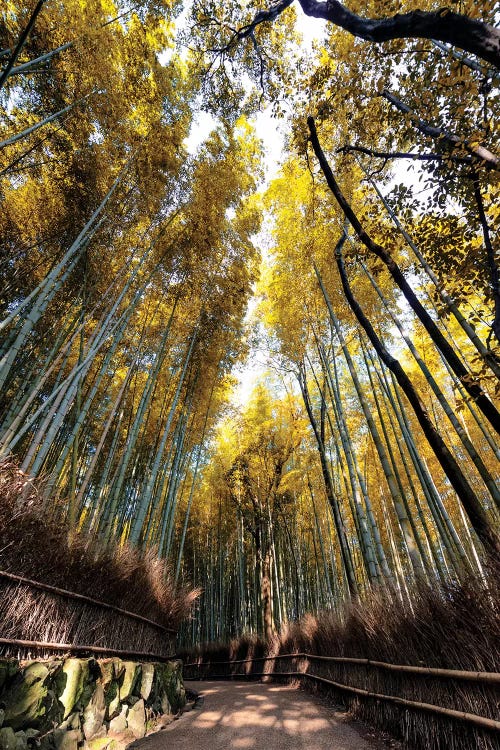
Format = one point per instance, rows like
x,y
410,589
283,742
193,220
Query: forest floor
x,y
250,715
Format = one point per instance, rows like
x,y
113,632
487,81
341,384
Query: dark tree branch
x,y
270,14
348,148
472,506
490,254
471,385
480,152
444,25
21,42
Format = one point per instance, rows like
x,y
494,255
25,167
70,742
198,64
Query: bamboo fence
x,y
74,616
459,675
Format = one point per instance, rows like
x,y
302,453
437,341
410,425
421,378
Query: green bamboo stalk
x,y
409,442
330,490
345,438
27,131
139,519
394,490
464,439
76,246
390,451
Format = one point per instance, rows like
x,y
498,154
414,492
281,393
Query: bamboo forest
x,y
250,340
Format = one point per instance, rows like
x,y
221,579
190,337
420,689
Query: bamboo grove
x,y
367,456
125,275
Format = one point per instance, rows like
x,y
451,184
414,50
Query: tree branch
x,y
348,148
261,16
444,25
480,152
471,385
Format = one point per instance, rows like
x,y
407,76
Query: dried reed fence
x,y
445,695
68,591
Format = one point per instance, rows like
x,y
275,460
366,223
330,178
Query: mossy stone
x,y
130,684
147,680
7,739
72,722
101,743
76,672
28,700
171,686
94,712
81,678
68,740
107,668
153,702
112,698
136,719
89,688
111,671
57,678
119,723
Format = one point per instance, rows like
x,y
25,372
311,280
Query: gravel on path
x,y
257,716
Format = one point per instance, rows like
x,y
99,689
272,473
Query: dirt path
x,y
254,716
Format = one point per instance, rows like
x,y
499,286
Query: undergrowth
x,y
37,545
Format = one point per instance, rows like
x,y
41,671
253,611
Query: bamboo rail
x,y
74,648
455,674
480,721
82,597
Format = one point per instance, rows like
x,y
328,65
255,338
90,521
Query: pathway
x,y
255,716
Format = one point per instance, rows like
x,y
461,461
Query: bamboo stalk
x,y
391,479
41,123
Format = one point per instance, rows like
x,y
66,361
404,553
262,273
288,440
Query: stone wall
x,y
85,704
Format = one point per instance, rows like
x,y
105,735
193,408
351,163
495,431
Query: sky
x,y
271,133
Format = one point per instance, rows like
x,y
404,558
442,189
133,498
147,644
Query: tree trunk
x,y
472,387
473,508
